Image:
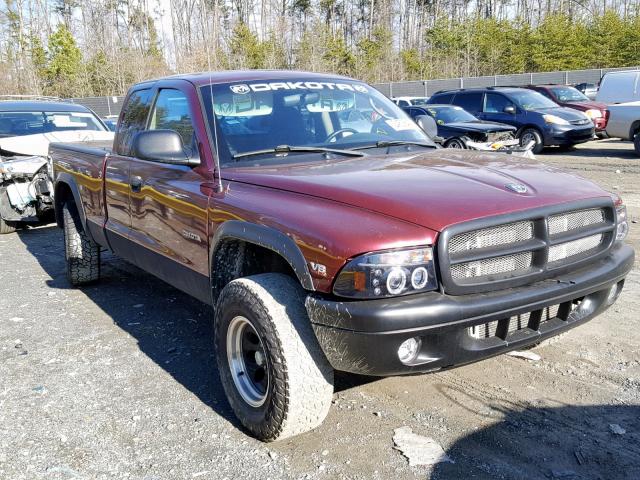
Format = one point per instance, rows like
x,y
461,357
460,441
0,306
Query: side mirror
x,y
510,109
161,146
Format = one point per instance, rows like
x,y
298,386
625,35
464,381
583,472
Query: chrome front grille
x,y
566,222
492,237
489,256
519,262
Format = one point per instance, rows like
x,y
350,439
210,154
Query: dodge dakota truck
x,y
323,245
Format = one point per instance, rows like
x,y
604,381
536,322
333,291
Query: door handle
x,y
136,183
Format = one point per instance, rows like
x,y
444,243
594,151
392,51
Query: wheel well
x,y
235,258
62,195
527,127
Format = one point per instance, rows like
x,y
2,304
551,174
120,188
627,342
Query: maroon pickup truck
x,y
329,232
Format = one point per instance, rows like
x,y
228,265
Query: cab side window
x,y
171,112
134,118
496,103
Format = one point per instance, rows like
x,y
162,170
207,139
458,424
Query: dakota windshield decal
x,y
244,88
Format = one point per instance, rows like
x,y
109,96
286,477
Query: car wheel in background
x,y
6,227
532,135
274,373
81,252
636,143
455,143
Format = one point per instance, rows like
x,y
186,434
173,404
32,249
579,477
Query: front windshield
x,y
568,94
16,124
530,100
265,114
444,115
420,101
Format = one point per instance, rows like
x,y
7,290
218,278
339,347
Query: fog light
x,y
408,351
614,291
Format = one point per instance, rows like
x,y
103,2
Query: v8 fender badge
x,y
318,269
516,187
240,89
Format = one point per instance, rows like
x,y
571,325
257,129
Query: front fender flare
x,y
266,237
68,181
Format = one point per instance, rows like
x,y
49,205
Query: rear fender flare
x,y
266,237
66,180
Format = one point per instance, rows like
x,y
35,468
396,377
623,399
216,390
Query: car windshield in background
x,y
568,94
444,115
530,100
16,124
340,115
419,101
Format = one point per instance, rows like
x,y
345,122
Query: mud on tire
x,y
81,253
298,393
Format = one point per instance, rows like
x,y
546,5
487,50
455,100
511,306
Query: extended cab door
x,y
135,112
169,202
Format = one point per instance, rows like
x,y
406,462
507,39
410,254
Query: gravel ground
x,y
118,381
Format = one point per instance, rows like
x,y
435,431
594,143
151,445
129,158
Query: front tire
x,y
531,134
455,143
81,252
636,143
274,373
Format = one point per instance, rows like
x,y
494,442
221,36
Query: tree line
x,y
71,48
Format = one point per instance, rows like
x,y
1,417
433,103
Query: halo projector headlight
x,y
387,273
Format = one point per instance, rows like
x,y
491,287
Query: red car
x,y
570,97
329,233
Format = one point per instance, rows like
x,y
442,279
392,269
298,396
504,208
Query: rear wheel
x,y
636,143
529,135
81,253
274,373
455,143
7,227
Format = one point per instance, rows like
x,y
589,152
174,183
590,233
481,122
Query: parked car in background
x,y
537,119
570,97
408,101
590,90
619,87
326,248
110,122
624,123
26,129
456,126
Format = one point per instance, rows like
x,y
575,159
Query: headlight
x,y
555,120
622,226
593,113
387,274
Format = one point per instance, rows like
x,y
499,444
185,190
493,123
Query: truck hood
x,y
38,144
586,105
433,189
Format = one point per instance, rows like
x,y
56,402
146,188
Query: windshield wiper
x,y
393,143
292,148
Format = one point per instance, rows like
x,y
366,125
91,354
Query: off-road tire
x,y
81,253
636,143
7,227
300,378
539,145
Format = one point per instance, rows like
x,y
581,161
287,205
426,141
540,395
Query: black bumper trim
x,y
363,337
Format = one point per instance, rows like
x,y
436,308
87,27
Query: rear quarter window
x,y
134,119
471,101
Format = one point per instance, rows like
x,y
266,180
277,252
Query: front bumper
x,y
567,134
364,336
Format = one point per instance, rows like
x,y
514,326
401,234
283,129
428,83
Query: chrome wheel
x,y
247,361
456,144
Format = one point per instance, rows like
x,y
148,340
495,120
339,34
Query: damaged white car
x,y
26,130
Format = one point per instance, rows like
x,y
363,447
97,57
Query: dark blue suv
x,y
536,117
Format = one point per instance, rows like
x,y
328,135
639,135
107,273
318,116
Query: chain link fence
x,y
426,88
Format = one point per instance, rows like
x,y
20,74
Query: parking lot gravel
x,y
118,381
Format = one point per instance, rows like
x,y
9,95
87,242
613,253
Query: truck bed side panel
x,y
83,165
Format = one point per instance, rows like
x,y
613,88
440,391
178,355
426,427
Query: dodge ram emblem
x,y
516,187
240,89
